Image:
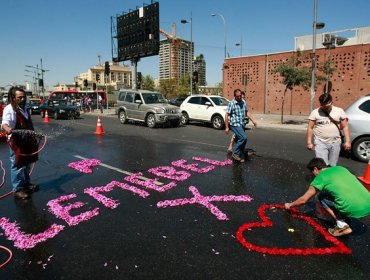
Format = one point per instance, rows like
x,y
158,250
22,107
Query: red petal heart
x,y
338,248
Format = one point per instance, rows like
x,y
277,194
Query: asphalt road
x,y
212,220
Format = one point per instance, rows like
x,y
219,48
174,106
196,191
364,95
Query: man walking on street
x,y
325,124
249,117
234,120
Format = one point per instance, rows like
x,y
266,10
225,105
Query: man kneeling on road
x,y
337,191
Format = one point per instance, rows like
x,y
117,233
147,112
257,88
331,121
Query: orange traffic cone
x,y
46,118
99,128
366,179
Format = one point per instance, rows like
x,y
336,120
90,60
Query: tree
x,y
327,69
168,88
293,75
184,85
147,83
219,88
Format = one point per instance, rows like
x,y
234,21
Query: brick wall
x,y
265,89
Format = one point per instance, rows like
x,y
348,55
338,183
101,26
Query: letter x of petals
x,y
205,201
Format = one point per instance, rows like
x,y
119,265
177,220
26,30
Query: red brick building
x,y
265,89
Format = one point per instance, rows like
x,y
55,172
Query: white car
x,y
204,108
359,126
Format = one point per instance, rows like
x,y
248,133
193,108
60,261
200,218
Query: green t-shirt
x,y
350,197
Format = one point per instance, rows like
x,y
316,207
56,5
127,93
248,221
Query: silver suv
x,y
359,126
146,106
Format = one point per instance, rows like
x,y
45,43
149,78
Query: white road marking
x,y
120,170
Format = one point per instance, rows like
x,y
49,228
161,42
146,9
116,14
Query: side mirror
x,y
138,101
208,103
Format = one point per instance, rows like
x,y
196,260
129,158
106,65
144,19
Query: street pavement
x,y
209,219
290,122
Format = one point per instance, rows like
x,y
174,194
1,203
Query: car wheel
x,y
361,149
122,117
176,123
150,121
217,122
184,118
56,115
70,115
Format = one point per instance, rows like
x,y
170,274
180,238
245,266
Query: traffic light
x,y
41,82
195,80
76,85
107,68
85,83
195,76
97,77
139,78
94,86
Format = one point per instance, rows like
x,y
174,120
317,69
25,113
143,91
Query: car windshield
x,y
220,101
151,98
60,102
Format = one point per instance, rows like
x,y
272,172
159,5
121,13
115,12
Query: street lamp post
x,y
316,25
223,19
39,72
241,46
184,21
34,78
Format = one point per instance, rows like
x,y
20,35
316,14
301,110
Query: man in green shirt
x,y
339,192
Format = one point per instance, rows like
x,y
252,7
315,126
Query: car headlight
x,y
61,111
160,111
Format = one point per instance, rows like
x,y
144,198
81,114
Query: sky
x,y
69,35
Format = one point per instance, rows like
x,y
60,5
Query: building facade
x,y
199,65
264,90
119,77
175,56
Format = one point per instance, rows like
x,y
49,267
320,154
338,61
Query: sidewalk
x,y
293,123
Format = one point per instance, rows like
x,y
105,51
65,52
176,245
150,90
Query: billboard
x,y
138,33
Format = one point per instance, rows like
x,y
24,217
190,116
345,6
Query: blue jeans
x,y
240,140
20,177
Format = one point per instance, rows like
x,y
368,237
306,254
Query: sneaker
x,y
337,231
21,195
242,160
235,157
32,187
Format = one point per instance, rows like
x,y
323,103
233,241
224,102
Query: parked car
x,y
146,106
2,106
177,100
34,105
204,108
359,125
59,108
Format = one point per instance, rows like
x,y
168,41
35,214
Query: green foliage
x,y
327,69
168,88
293,75
147,83
184,85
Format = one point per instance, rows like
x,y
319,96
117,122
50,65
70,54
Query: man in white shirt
x,y
325,124
16,116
